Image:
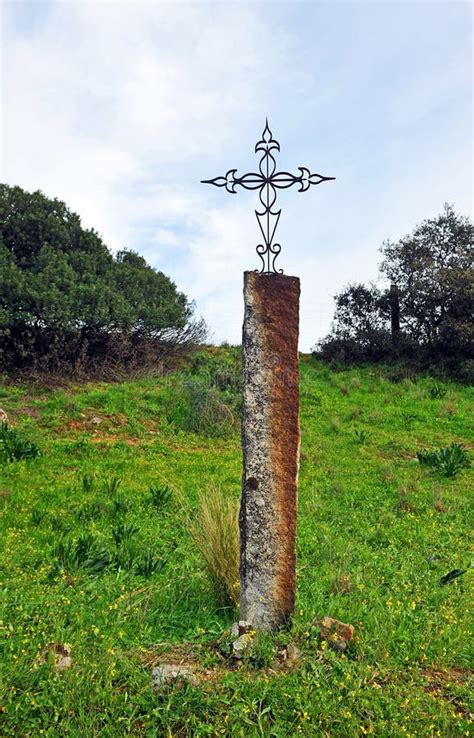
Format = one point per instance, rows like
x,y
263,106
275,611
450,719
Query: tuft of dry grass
x,y
387,474
404,502
438,502
341,584
335,425
214,529
447,409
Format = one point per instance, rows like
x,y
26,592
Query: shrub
x,y
195,407
449,461
215,532
68,304
13,447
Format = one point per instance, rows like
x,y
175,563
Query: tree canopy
x,y
426,307
63,295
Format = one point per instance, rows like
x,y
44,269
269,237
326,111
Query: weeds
x,y
408,419
438,503
437,392
160,496
195,407
120,506
123,532
149,564
404,500
91,510
362,436
13,447
82,554
88,483
112,486
335,425
215,532
342,585
449,461
37,516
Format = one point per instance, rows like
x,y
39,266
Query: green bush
x,y
449,461
67,302
194,406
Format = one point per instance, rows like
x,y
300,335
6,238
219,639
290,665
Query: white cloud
x,y
121,108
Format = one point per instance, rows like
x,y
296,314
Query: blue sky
x,y
121,108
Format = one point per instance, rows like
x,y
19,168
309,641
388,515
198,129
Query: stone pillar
x,y
270,440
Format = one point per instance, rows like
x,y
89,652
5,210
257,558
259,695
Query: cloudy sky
x,y
121,108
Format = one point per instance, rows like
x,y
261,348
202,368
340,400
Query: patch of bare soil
x,y
440,683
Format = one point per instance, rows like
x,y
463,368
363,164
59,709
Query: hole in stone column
x,y
252,483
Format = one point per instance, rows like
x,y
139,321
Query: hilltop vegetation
x,y
424,313
98,555
68,305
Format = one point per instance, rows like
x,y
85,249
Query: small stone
x,y
240,628
340,645
331,629
292,652
234,631
245,633
166,674
241,646
58,654
96,420
3,416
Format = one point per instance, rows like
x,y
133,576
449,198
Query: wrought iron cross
x,y
267,180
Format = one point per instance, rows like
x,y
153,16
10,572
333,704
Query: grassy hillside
x,y
97,555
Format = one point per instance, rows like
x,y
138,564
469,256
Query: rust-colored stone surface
x,y
270,439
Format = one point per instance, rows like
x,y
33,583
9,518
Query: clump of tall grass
x,y
13,447
193,406
214,528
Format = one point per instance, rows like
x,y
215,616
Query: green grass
x,y
376,533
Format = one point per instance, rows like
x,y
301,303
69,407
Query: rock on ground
x,y
166,674
335,633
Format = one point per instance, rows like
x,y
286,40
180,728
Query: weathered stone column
x,y
270,439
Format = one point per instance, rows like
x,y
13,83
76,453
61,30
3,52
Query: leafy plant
x,y
82,554
149,564
437,392
88,483
119,506
449,461
160,496
263,650
408,418
13,447
361,435
37,516
123,532
91,510
112,486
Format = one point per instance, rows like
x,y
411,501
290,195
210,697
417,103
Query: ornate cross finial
x,y
267,180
